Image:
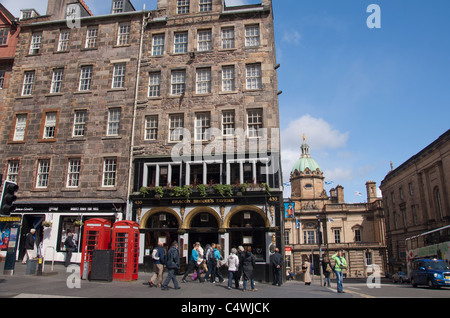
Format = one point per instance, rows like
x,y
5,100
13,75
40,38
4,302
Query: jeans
x,y
233,275
171,277
252,284
339,277
327,279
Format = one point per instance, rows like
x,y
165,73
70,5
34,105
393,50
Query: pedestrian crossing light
x,y
8,197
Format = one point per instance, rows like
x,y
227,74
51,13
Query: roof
x,y
305,161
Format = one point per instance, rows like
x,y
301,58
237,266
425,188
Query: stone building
x,y
207,122
166,117
67,119
416,198
356,228
9,35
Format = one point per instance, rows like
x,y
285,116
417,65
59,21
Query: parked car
x,y
432,272
400,277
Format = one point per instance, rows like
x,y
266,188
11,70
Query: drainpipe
x,y
130,168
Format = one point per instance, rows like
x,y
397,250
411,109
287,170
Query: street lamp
x,y
319,235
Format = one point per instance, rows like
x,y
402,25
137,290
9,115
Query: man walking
x,y
172,264
192,266
340,265
277,265
159,266
29,246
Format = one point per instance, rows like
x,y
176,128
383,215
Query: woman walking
x,y
233,269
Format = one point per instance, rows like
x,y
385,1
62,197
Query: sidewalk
x,y
61,283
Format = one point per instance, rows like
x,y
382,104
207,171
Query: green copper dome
x,y
305,161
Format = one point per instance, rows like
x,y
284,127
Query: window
x,y
182,6
119,75
43,173
109,172
337,236
252,35
202,125
254,123
176,125
73,173
35,46
369,259
3,36
57,78
203,81
118,6
79,123
28,82
228,38
151,127
154,84
113,122
178,82
228,75
91,37
13,171
2,77
85,78
158,45
438,201
123,36
180,42
205,5
50,125
228,122
204,40
253,78
358,235
309,237
21,125
63,44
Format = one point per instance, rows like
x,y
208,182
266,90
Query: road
x,y
61,283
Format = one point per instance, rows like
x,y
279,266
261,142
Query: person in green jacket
x,y
340,265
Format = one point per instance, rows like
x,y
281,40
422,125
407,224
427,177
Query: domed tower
x,y
307,181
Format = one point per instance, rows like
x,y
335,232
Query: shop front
x,y
53,221
248,219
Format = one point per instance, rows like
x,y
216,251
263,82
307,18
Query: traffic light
x,y
8,197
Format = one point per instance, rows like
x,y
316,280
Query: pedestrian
x,y
339,266
29,246
216,265
192,266
307,267
233,269
277,265
248,266
69,245
327,270
209,254
158,256
172,264
240,254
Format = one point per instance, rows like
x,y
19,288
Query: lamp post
x,y
319,234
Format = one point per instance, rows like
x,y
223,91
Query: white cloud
x,y
318,132
291,37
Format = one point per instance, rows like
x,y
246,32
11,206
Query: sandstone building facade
x,y
416,198
166,117
356,228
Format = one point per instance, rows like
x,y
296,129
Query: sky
x,y
362,96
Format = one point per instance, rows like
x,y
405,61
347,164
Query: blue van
x,y
432,272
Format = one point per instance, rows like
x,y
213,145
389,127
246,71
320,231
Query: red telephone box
x,y
126,250
96,236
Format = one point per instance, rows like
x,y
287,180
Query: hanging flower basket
x,y
47,224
